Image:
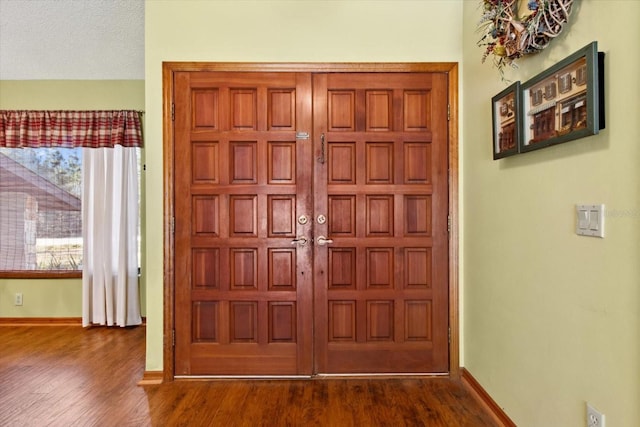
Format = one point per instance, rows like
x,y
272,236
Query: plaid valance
x,y
69,129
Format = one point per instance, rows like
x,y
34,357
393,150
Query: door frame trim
x,y
168,71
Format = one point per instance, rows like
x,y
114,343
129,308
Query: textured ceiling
x,y
71,39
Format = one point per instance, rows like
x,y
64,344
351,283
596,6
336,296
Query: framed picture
x,y
506,115
564,102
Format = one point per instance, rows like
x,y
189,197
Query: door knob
x,y
321,240
300,241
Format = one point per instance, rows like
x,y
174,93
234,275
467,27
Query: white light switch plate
x,y
590,220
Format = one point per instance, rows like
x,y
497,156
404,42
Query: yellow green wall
x,y
61,297
273,31
551,318
41,298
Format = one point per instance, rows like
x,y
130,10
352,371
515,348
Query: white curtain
x,y
110,234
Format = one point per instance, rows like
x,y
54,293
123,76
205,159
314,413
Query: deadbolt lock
x,y
302,219
321,219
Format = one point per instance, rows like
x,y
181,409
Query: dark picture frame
x,y
507,121
564,102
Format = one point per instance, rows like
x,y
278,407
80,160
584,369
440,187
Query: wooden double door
x,y
310,223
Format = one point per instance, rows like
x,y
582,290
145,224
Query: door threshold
x,y
355,376
388,375
242,377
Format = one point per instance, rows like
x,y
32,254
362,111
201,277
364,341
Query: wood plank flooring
x,y
69,376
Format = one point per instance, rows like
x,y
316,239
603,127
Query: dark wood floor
x,y
69,376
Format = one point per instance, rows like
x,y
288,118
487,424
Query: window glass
x,y
40,209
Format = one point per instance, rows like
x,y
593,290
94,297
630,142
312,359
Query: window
x,y
40,209
41,188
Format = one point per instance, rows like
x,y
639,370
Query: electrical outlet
x,y
595,418
18,299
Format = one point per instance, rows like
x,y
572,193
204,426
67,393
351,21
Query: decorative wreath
x,y
510,33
